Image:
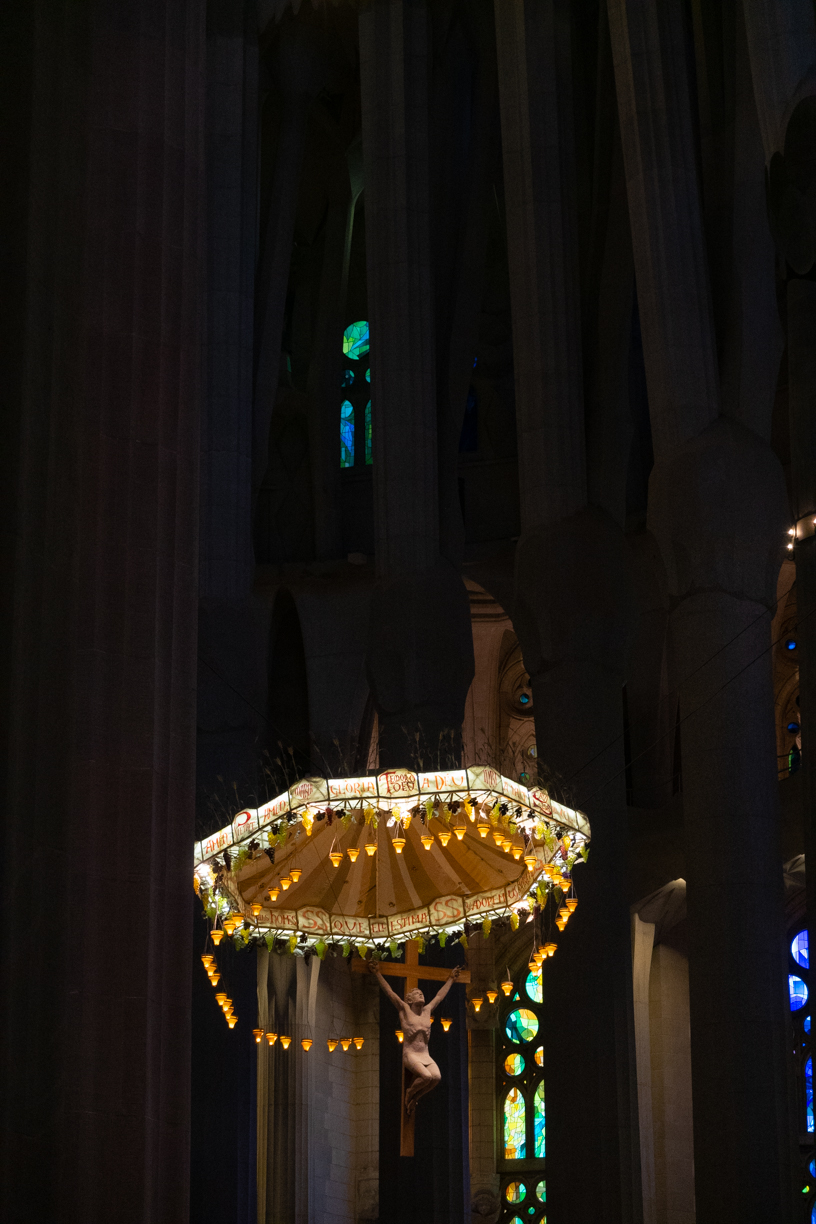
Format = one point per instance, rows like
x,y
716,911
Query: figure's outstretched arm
x,y
439,996
373,967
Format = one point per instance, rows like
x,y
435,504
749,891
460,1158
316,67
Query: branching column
x,y
572,614
717,509
100,772
420,659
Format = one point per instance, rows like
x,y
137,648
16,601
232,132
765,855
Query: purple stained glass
x,y
809,1093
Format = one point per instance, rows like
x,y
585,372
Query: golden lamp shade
x,y
446,1024
257,1034
492,996
460,830
306,1042
477,1003
444,837
572,904
216,937
400,1035
345,1043
530,861
427,840
215,978
295,873
286,882
358,1041
336,857
232,1021
354,853
399,844
274,893
483,830
331,1042
207,959
286,1042
256,908
271,1038
371,849
507,987
517,852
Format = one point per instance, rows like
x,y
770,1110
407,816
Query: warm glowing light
x,y
792,530
483,830
358,1041
207,958
506,845
271,1038
398,844
286,1042
549,949
460,831
444,837
306,1042
477,1003
296,873
331,1042
256,908
232,1021
221,997
274,893
371,849
560,923
564,913
216,937
530,861
427,840
572,904
498,836
400,1035
790,546
345,1043
446,1024
517,852
492,996
215,978
285,882
532,965
507,987
353,853
336,857
257,1034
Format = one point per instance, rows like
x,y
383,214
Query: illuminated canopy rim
x,y
386,895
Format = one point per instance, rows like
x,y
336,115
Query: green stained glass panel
x,y
515,1192
368,375
346,435
355,340
541,1191
515,1130
538,1121
533,986
521,1024
539,1056
348,378
368,432
514,1064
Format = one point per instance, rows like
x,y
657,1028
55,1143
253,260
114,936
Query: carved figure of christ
x,y
415,1018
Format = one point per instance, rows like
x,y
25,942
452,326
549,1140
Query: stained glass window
x,y
809,1093
355,340
348,378
514,1064
515,1126
538,1103
368,375
799,949
522,1024
539,1056
541,1191
346,434
533,986
368,432
798,992
807,1024
515,1192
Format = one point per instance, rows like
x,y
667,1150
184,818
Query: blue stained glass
x,y
809,1093
807,1024
812,1167
346,434
799,949
534,987
538,1118
368,458
348,378
798,992
541,1191
813,1215
515,1130
355,340
368,375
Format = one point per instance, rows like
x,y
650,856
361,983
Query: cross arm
x,y
427,973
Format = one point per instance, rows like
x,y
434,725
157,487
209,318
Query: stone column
x,y
300,66
716,508
232,629
572,615
99,684
420,659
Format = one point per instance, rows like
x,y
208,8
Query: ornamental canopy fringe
x,y
387,857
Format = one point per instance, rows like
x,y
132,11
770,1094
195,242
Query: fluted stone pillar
x,y
420,658
573,616
716,508
232,628
299,67
100,674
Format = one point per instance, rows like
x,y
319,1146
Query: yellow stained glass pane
x,y
515,1130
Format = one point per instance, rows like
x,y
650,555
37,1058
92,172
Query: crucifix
x,y
420,1073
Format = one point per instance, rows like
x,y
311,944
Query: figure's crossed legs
x,y
423,1080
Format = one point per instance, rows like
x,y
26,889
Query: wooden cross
x,y
411,970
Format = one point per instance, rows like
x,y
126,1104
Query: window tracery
x,y
521,1101
355,409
